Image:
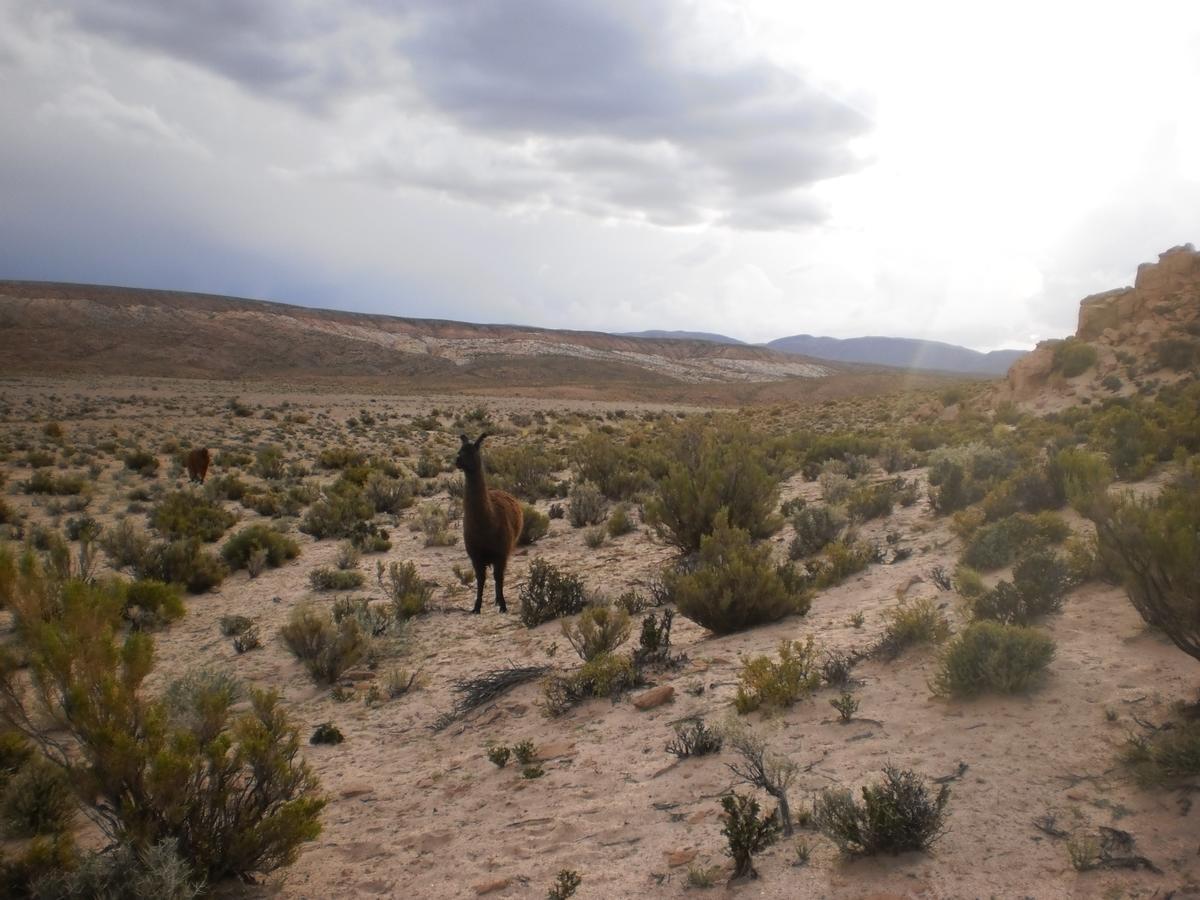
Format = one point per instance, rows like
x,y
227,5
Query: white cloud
x,y
118,121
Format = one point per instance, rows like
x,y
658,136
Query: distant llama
x,y
492,522
197,464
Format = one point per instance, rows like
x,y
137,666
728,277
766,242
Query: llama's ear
x,y
466,440
480,441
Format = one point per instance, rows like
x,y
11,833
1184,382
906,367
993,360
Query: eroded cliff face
x,y
1142,337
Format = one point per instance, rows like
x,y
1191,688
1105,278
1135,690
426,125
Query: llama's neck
x,y
475,498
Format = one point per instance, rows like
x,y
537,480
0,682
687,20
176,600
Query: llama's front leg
x,y
480,578
499,571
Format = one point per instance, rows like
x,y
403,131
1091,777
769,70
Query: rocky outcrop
x,y
1124,330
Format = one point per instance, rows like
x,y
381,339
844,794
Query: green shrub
x,y
897,815
142,461
999,543
325,578
735,585
872,501
182,515
710,468
949,492
778,684
43,482
604,675
340,458
37,800
599,629
343,507
695,738
1078,473
149,603
1040,581
1179,354
121,872
747,832
617,469
549,594
1152,545
388,495
525,471
534,525
234,795
326,648
409,594
183,562
620,522
989,656
816,527
278,547
326,733
840,560
1166,757
919,622
586,505
434,520
1073,357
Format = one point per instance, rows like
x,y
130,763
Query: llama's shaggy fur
x,y
492,522
197,464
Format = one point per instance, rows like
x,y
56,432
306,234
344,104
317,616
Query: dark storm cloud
x,y
272,47
628,109
741,130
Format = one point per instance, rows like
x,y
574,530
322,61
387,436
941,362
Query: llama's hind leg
x,y
480,578
499,568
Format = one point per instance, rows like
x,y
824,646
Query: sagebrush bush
x,y
183,562
182,515
1073,357
142,461
37,799
1040,581
897,814
150,603
586,505
620,522
408,592
326,578
233,794
735,584
534,525
619,470
909,624
604,675
989,656
840,560
598,629
1166,757
525,471
709,468
342,508
325,647
549,594
778,683
43,482
278,547
122,873
1179,354
999,543
695,738
816,527
1153,546
388,495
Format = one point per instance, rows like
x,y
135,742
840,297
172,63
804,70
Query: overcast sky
x,y
957,171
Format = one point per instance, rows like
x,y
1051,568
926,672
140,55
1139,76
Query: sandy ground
x,y
414,813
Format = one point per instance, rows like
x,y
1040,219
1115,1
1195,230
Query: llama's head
x,y
468,458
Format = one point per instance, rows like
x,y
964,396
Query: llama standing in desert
x,y
492,522
197,463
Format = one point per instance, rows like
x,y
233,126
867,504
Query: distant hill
x,y
48,328
682,336
904,353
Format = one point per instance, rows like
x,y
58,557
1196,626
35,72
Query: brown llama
x,y
197,464
492,522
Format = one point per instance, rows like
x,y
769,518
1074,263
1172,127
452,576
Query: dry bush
x,y
326,648
778,684
988,656
896,815
598,629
